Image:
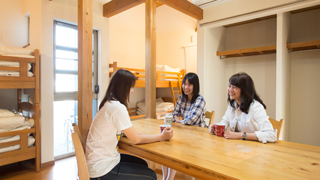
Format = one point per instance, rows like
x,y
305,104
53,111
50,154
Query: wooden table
x,y
194,151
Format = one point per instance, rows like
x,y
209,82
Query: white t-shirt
x,y
106,130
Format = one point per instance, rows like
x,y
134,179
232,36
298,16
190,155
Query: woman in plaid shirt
x,y
191,105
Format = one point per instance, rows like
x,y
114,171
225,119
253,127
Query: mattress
x,y
13,73
31,141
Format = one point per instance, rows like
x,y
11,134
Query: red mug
x,y
162,127
218,129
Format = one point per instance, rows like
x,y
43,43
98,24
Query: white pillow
x,y
6,113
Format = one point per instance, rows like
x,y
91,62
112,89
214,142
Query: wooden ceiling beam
x,y
117,6
185,7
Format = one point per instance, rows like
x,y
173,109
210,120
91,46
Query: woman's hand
x,y
177,119
233,135
167,133
211,129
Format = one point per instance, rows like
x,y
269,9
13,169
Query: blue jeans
x,y
129,168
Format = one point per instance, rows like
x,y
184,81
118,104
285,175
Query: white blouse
x,y
256,121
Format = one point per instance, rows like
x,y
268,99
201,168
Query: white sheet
x,y
31,141
13,73
11,122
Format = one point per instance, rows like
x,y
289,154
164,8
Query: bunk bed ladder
x,y
174,100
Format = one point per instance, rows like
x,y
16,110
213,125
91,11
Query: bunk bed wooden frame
x,y
159,84
23,82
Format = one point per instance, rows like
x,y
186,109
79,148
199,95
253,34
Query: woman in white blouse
x,y
246,114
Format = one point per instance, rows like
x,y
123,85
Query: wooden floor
x,y
65,169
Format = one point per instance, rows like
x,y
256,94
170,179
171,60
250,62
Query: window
x,y
66,85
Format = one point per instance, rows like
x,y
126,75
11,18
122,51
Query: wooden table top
x,y
196,152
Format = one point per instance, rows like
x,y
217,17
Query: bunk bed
x,y
19,69
165,79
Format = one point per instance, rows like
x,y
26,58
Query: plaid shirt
x,y
193,114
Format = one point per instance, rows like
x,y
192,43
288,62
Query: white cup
x,y
168,120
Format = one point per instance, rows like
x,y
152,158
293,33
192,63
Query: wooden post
x,y
84,67
150,91
37,110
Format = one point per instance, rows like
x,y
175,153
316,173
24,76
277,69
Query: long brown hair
x,y
119,87
248,91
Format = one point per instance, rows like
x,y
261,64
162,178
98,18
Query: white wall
x,y
211,70
305,73
13,24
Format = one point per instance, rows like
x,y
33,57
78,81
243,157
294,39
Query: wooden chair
x,y
81,158
276,125
210,115
77,130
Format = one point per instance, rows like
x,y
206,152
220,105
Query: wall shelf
x,y
248,51
300,46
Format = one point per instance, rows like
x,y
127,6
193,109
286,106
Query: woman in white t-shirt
x,y
246,114
103,159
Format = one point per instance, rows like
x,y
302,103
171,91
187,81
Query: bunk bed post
x,y
115,67
84,67
37,109
150,91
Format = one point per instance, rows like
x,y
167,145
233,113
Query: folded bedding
x,y
31,141
14,50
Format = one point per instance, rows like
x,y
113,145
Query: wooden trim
x,y
17,152
305,9
150,82
84,67
14,133
5,68
20,156
17,59
48,164
250,21
248,51
159,4
11,143
117,6
307,45
185,7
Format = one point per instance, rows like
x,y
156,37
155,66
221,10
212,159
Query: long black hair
x,y
194,80
119,87
248,91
